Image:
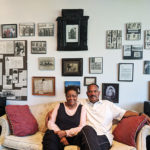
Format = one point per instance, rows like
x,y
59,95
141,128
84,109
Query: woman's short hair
x,y
71,87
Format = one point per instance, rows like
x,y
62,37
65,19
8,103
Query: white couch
x,y
33,142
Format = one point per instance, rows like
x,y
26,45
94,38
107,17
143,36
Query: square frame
x,y
72,66
43,86
9,30
125,72
89,80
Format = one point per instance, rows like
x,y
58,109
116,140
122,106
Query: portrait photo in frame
x,y
43,86
89,80
38,47
72,30
72,66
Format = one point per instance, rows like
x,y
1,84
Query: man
x,y
100,115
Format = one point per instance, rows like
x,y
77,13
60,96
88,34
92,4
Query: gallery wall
x,y
103,15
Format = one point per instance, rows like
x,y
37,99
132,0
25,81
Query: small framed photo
x,y
146,67
43,86
38,47
110,91
45,29
72,66
126,72
9,30
147,39
46,63
89,80
27,29
96,65
73,83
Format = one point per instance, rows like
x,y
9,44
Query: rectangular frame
x,y
72,66
146,67
89,80
43,86
9,30
125,72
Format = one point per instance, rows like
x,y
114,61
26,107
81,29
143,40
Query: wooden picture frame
x,y
72,30
43,86
72,66
89,80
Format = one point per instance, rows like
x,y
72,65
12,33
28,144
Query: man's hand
x,y
64,141
61,133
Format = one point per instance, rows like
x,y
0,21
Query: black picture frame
x,y
72,66
9,30
72,30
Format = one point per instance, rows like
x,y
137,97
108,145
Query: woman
x,y
66,122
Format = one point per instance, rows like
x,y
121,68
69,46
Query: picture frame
x,y
72,66
73,83
146,67
95,65
45,29
46,63
72,30
147,39
27,29
38,47
89,80
43,86
132,52
125,72
9,30
110,91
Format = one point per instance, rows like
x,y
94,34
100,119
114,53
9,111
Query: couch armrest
x,y
141,138
5,127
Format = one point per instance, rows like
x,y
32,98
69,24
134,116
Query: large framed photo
x,y
89,80
110,91
72,30
9,30
46,63
96,65
126,72
27,29
146,67
72,66
45,29
38,47
43,86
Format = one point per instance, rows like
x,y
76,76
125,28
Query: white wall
x,y
104,15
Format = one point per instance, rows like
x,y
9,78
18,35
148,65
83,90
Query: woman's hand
x,y
61,133
64,141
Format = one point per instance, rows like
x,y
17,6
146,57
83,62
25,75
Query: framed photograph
x,y
96,65
89,80
27,29
147,39
133,52
73,83
72,66
72,30
126,72
133,31
43,86
110,91
46,63
38,47
146,67
114,39
9,30
45,29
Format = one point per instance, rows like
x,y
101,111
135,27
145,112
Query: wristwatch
x,y
140,113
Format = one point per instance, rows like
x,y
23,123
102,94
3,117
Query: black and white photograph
x,y
89,80
132,52
72,33
27,29
96,65
38,47
147,67
133,31
9,30
113,39
46,63
125,72
45,29
147,39
110,91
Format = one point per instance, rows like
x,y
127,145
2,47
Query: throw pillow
x,y
127,129
21,120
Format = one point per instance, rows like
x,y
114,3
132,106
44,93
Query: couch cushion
x,y
21,120
127,128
